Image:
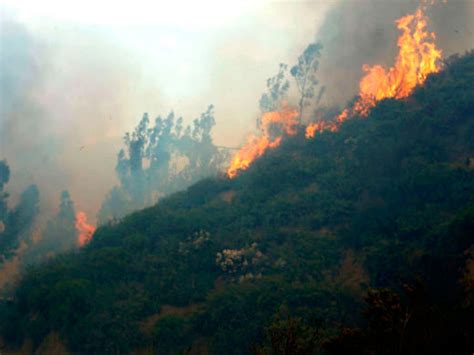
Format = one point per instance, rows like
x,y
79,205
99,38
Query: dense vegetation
x,y
358,241
158,159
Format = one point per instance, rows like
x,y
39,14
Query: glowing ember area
x,y
320,126
84,230
274,126
418,57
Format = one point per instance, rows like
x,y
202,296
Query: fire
x,y
274,126
84,230
318,127
417,57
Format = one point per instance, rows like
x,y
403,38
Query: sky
x,y
179,55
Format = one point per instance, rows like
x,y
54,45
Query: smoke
x,y
20,114
69,90
64,102
357,32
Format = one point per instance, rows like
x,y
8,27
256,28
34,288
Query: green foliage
x,y
292,335
383,201
170,335
407,324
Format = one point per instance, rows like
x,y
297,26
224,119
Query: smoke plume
x,y
358,32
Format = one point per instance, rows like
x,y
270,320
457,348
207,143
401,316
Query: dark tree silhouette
x,y
304,74
59,235
162,158
19,222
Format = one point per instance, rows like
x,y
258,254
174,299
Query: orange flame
x,y
418,57
274,126
84,230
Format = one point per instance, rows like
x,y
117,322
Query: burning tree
x,y
278,119
274,126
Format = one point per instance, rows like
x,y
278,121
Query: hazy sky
x,y
167,55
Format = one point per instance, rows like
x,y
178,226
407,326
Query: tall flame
x,y
274,126
417,57
84,230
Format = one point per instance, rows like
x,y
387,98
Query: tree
x,y
277,89
4,177
292,335
304,74
406,324
59,235
66,207
204,158
162,158
19,222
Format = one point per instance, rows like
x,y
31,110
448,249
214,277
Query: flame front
x,y
84,230
417,57
274,126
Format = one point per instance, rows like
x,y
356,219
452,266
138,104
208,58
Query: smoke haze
x,y
70,89
357,32
71,86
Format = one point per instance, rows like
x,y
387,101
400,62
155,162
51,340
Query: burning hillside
x,y
274,126
370,220
381,204
84,229
417,57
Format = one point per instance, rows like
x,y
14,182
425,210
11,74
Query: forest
x,y
321,201
355,241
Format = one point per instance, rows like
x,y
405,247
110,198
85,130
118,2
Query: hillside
x,y
378,216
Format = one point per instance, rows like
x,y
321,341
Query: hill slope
x,y
288,249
